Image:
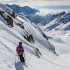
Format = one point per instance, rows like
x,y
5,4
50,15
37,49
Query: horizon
x,y
61,7
44,10
37,2
53,7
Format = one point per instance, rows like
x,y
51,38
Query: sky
x,y
36,2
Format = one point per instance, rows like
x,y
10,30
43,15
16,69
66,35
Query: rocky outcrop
x,y
29,38
7,18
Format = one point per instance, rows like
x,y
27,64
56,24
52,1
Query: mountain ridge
x,y
25,10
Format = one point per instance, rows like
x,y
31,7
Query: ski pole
x,y
15,57
18,57
24,56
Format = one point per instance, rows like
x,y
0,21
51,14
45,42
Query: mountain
x,y
22,10
7,14
28,12
60,21
14,29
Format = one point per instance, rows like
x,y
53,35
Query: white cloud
x,y
42,0
44,12
6,0
36,2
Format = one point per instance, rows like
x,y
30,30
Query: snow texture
x,y
11,36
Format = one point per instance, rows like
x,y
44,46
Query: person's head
x,y
20,43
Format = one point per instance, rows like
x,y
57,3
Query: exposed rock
x,y
8,19
29,38
21,25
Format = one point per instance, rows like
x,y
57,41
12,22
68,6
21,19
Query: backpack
x,y
19,50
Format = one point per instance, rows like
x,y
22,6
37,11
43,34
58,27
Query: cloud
x,y
44,12
36,2
41,0
6,0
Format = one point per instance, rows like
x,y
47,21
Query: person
x,y
20,51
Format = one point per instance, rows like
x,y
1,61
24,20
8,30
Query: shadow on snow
x,y
19,66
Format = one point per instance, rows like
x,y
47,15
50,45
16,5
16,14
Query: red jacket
x,y
19,50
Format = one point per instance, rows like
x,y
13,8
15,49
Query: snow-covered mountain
x,y
27,11
7,14
59,21
14,29
50,21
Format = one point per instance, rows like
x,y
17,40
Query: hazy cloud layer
x,y
6,0
44,12
36,2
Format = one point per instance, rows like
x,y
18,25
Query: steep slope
x,y
57,22
6,15
66,26
8,10
32,38
50,21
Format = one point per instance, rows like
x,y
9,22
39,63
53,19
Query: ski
x,y
25,65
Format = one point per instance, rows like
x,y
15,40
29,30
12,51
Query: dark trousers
x,y
22,58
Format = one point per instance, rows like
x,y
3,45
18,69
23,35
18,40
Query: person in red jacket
x,y
20,51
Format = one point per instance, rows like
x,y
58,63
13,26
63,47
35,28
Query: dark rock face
x,y
13,15
44,36
8,19
20,25
29,38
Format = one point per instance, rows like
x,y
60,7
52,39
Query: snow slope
x,y
59,21
9,39
60,39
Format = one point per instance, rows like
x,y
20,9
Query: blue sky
x,y
36,2
53,7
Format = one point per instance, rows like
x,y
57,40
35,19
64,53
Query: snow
x,y
60,39
66,26
5,8
11,36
